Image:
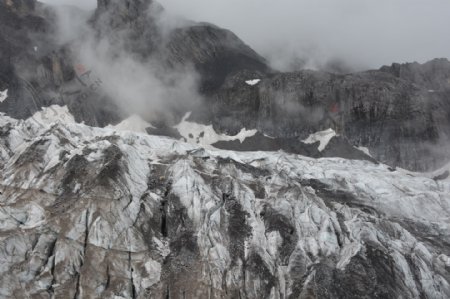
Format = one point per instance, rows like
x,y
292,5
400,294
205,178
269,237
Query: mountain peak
x,y
123,6
112,14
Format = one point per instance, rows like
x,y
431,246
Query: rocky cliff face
x,y
400,113
398,117
214,52
23,7
98,213
38,72
433,75
47,73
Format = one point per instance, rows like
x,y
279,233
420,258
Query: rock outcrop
x,y
398,117
400,113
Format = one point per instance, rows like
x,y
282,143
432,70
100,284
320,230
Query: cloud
x,y
362,33
84,4
139,84
311,33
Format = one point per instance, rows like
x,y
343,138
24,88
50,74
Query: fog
x,y
85,4
363,33
139,84
310,33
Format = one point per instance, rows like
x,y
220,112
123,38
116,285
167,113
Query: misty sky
x,y
363,33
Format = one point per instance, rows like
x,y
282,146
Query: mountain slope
x,y
400,113
402,122
88,212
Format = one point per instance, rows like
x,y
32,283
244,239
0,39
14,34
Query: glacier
x,y
90,212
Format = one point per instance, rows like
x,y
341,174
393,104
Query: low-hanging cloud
x,y
139,85
360,33
84,4
311,33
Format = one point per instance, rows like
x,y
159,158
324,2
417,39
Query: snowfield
x,y
3,95
253,82
105,212
133,124
206,135
323,137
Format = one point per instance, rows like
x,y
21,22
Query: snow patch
x,y
347,253
206,135
365,150
443,172
133,124
323,137
53,114
274,240
3,95
445,259
162,246
35,217
253,82
153,269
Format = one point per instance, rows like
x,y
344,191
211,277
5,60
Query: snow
x,y
133,124
323,137
365,150
445,259
274,240
162,246
35,217
52,114
253,82
206,135
347,253
26,217
3,95
439,172
394,195
153,269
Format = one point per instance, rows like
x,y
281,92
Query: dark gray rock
x,y
400,113
401,122
215,53
39,73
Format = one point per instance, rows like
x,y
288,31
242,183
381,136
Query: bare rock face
x,y
129,22
23,7
94,213
46,68
38,72
400,113
130,7
215,53
433,75
399,118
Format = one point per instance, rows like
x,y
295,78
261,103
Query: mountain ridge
x,y
361,106
229,180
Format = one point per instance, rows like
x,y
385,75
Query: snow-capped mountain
x,y
147,157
